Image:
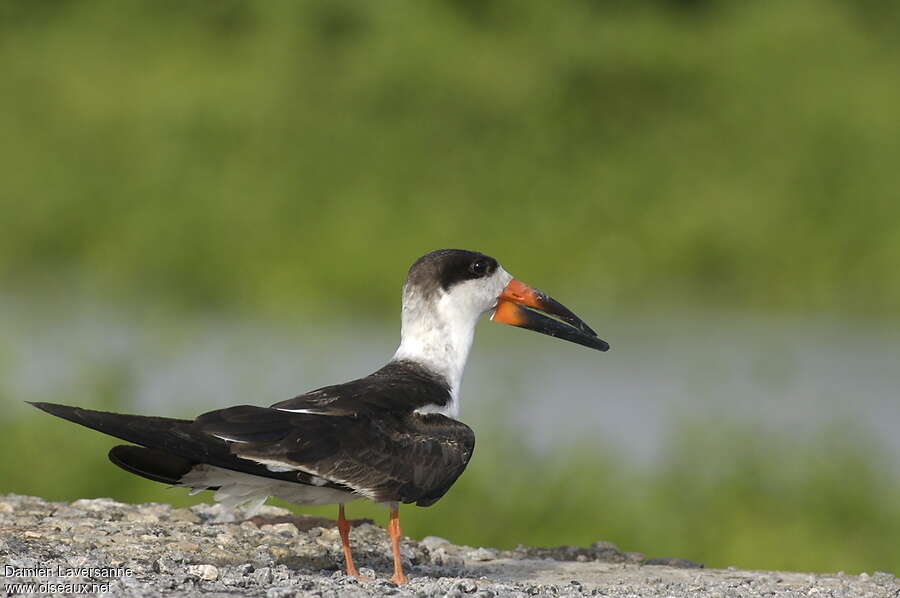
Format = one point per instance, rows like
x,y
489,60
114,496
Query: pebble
x,y
263,576
465,585
430,542
482,554
287,530
139,517
205,572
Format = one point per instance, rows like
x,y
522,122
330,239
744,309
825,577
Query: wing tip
x,y
63,411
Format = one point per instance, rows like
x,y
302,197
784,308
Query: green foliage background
x,y
290,158
252,154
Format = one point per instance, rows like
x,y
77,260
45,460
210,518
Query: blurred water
x,y
797,376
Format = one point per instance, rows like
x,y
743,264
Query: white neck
x,y
437,337
437,329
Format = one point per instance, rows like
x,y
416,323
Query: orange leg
x,y
394,531
344,529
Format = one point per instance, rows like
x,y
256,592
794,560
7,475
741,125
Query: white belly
x,y
236,488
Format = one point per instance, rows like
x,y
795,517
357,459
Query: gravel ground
x,y
102,546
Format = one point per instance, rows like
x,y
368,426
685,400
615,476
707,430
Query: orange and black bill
x,y
520,305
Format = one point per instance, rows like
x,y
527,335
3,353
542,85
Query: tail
x,y
169,448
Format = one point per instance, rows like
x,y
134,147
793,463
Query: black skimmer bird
x,y
392,437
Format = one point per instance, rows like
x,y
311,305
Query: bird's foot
x,y
354,573
399,579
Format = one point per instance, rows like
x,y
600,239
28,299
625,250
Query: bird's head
x,y
452,288
448,290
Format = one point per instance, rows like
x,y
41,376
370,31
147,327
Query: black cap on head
x,y
445,268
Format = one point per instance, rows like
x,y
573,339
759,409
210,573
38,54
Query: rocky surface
x,y
104,547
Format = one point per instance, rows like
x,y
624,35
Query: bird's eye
x,y
478,267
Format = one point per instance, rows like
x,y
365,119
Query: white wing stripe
x,y
226,439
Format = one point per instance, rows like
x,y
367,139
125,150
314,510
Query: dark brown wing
x,y
384,455
398,386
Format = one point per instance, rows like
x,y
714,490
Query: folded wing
x,y
384,456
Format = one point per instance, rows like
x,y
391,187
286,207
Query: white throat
x,y
437,331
